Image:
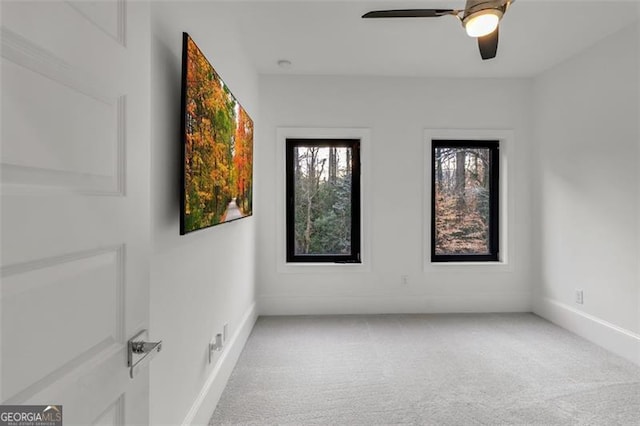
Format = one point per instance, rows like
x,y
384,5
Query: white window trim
x,y
364,135
507,204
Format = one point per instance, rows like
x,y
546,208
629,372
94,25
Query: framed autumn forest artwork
x,y
217,147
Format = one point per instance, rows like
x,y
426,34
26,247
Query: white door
x,y
75,206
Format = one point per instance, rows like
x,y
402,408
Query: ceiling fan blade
x,y
489,45
410,13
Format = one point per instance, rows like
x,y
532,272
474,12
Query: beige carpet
x,y
479,369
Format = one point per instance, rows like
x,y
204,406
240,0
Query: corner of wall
x,y
562,120
618,340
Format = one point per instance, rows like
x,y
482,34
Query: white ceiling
x,y
329,37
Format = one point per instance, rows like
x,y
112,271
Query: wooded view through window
x,y
464,201
323,200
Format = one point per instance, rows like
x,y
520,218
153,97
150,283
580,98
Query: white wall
x,y
205,279
396,111
586,201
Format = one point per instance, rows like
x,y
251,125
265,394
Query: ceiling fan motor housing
x,y
474,6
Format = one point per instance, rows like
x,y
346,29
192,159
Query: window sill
x,y
322,267
465,267
490,263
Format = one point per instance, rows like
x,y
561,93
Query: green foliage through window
x,y
323,188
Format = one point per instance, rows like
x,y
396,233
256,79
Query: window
x,y
464,201
323,200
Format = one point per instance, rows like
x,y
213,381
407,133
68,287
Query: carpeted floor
x,y
477,369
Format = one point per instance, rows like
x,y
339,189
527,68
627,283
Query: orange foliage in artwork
x,y
218,148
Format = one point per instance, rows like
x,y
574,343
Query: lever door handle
x,y
140,352
145,347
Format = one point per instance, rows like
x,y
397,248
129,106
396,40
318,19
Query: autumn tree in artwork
x,y
218,146
243,161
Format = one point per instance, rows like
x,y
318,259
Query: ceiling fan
x,y
479,17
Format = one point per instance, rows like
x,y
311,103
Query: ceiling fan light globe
x,y
481,23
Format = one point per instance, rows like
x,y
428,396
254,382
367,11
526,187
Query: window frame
x,y
355,257
493,146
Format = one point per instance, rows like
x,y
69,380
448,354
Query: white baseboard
x,y
205,404
318,305
616,339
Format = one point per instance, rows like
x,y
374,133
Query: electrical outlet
x,y
404,279
579,297
215,346
225,330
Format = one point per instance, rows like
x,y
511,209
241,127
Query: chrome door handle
x,y
145,347
140,352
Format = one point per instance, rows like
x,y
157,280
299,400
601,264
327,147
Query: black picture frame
x,y
238,203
